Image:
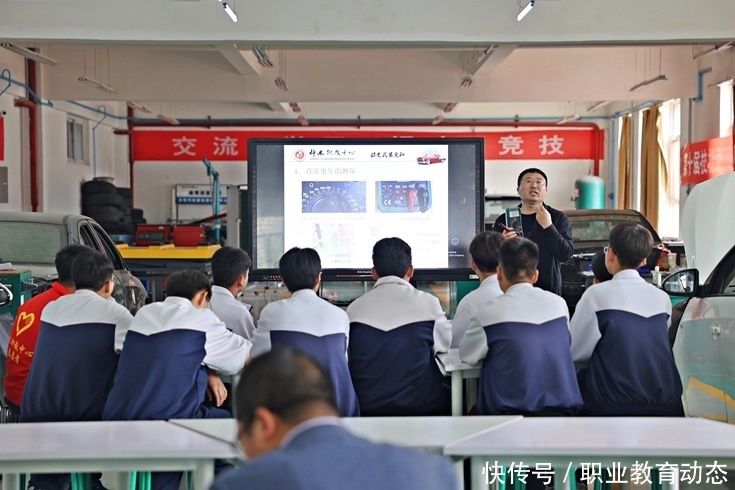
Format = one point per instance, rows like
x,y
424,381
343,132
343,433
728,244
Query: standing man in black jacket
x,y
548,227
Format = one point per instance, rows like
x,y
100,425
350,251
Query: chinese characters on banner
x,y
232,145
704,160
2,139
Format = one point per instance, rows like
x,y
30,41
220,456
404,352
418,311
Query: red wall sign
x,y
2,138
704,160
232,145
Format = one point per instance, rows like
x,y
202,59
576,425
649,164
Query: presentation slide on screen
x,y
340,200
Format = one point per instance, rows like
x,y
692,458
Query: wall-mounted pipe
x,y
94,137
28,87
131,156
31,69
700,84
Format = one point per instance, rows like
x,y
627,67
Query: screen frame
x,y
438,274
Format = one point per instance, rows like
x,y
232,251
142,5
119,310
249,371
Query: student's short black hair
x,y
284,381
187,283
65,258
532,171
484,249
300,268
631,243
228,264
599,269
518,258
91,270
391,257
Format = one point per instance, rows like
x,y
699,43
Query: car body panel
x,y
129,291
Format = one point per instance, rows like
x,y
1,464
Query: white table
x,y
564,440
121,447
450,365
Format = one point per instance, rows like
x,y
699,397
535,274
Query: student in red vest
x,y
28,322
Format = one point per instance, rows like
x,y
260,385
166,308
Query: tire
x,y
125,192
136,213
98,187
101,199
141,221
111,227
110,214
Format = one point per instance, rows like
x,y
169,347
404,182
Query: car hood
x,y
707,223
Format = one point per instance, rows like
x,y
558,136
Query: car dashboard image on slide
x,y
410,196
333,197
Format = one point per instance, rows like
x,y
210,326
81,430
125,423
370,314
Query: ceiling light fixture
x,y
91,82
597,105
281,83
295,106
138,106
573,117
487,52
640,86
262,56
30,54
466,82
170,120
449,107
525,10
230,12
437,119
302,119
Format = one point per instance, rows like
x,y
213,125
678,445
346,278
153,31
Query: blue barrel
x,y
590,192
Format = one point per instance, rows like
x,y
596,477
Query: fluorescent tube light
x,y
598,105
302,119
262,57
294,106
169,120
485,53
564,120
525,10
449,107
281,83
640,86
437,119
466,82
91,82
138,106
30,54
230,12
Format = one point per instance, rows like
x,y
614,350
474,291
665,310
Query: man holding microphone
x,y
549,228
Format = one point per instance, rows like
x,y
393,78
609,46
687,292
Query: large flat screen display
x,y
340,196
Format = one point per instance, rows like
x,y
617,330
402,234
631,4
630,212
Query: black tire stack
x,y
111,207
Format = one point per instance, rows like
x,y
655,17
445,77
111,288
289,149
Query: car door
x,y
90,236
704,346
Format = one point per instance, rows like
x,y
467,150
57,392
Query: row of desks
x,y
561,443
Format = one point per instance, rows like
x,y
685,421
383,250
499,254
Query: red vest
x,y
23,341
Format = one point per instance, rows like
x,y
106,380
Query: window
x,y
75,139
109,248
668,135
30,243
726,108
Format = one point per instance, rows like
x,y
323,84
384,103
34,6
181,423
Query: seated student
x,y
288,427
523,339
396,332
620,327
76,354
230,269
24,335
308,323
163,366
599,268
484,251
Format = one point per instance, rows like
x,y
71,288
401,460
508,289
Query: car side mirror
x,y
682,283
6,296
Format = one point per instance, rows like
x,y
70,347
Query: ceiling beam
x,y
243,62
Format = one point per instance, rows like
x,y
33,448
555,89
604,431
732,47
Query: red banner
x,y
232,145
704,160
2,138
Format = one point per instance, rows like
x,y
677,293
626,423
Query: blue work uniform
x,y
396,332
620,327
522,339
308,323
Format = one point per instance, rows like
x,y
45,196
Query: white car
x,y
31,240
704,348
